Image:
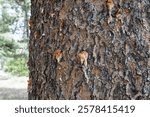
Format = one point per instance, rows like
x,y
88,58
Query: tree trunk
x,y
89,49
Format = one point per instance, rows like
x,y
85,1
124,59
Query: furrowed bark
x,y
90,49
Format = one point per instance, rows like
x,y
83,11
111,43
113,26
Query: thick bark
x,y
89,49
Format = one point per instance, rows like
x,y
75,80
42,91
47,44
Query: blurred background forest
x,y
14,36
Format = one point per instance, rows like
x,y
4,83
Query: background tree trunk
x,y
113,33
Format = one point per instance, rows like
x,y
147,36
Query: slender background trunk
x,y
89,49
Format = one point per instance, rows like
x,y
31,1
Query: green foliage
x,y
6,19
17,67
15,62
13,19
7,47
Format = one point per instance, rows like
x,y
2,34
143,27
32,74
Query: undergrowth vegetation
x,y
13,60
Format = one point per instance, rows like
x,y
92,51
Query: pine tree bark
x,y
89,49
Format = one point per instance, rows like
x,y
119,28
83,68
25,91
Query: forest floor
x,y
12,87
